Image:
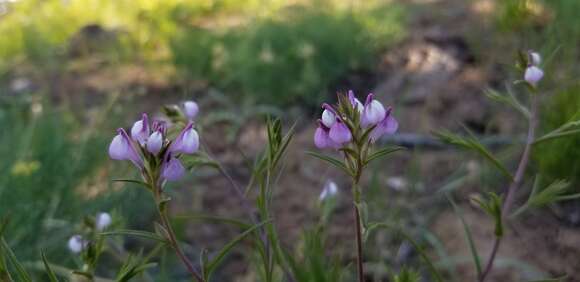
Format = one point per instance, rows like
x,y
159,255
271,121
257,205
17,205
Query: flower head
x,y
102,221
121,148
76,244
533,75
187,142
373,112
191,109
140,130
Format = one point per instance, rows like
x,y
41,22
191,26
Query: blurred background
x,y
72,71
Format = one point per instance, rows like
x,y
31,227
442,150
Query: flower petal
x,y
339,133
172,170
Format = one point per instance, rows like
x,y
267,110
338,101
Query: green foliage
x,y
471,143
556,159
407,275
46,158
311,263
290,59
492,206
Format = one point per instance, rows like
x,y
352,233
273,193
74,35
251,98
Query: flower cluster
x,y
533,73
151,151
336,126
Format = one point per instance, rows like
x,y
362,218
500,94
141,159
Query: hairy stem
x,y
516,181
172,238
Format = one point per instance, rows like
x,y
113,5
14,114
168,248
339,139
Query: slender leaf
x,y
211,265
468,236
49,272
135,233
141,183
383,152
5,250
471,143
330,160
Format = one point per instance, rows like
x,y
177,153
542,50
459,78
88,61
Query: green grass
x,y
293,58
46,160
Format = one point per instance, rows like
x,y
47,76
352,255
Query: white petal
x,y
328,118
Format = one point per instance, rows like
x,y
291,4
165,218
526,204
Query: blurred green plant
x,y
557,159
292,58
46,156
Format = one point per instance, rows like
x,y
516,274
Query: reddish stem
x,y
516,182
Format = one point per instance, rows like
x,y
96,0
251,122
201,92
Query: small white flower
x,y
533,75
191,109
103,221
330,190
536,59
76,244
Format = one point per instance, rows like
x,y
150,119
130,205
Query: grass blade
x,y
136,233
49,272
224,251
5,250
468,236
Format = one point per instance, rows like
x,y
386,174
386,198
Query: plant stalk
x,y
358,231
516,181
172,238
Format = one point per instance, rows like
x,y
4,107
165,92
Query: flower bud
x,y
190,109
76,244
172,169
121,148
330,190
373,112
155,142
535,58
355,102
339,132
533,75
140,130
102,221
187,142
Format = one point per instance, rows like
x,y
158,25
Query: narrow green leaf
x,y
330,160
471,143
552,136
383,152
5,250
141,183
211,265
136,233
49,272
468,236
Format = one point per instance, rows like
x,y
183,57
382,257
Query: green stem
x,y
171,234
358,230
